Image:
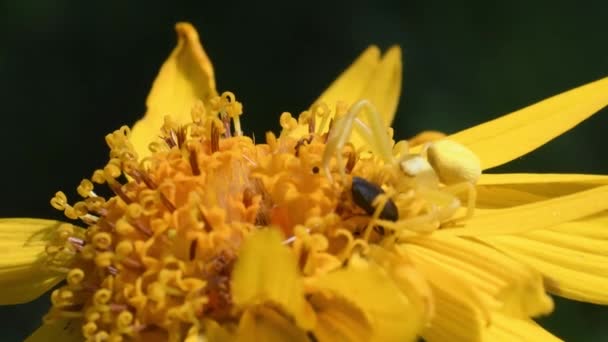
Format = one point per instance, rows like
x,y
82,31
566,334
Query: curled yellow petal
x,y
339,320
64,331
369,288
537,215
266,272
264,324
23,275
185,78
573,257
501,140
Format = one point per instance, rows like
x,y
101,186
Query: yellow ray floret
x,y
63,331
266,273
572,256
537,215
186,77
511,136
25,272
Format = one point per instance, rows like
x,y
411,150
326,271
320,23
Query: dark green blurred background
x,y
70,72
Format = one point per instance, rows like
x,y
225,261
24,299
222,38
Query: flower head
x,y
328,231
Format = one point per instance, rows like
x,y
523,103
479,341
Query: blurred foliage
x,y
72,71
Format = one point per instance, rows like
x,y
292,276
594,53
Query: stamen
x,y
132,263
117,307
215,138
226,121
253,163
117,189
89,219
76,241
302,141
289,240
193,159
112,270
165,201
142,229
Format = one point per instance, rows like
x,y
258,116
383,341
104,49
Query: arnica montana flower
x,y
328,231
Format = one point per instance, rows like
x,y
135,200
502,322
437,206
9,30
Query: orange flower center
x,y
157,256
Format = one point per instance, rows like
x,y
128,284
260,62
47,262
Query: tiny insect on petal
x,y
364,193
453,162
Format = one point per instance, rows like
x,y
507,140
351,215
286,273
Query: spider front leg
x,y
457,167
471,193
341,131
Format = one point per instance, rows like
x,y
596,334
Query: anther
x,y
116,188
302,141
142,229
214,140
89,219
117,307
132,263
112,270
165,201
143,177
193,159
76,241
226,121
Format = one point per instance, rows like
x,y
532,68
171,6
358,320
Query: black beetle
x,y
364,192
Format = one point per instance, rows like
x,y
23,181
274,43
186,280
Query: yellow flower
x,y
330,231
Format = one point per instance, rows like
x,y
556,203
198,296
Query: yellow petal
x,y
510,329
535,215
216,333
266,271
455,319
540,178
459,315
500,197
511,136
185,77
348,86
507,190
371,290
264,324
503,282
384,87
23,276
371,78
409,281
573,262
351,83
339,320
64,331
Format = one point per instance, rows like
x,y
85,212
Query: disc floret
x,y
158,255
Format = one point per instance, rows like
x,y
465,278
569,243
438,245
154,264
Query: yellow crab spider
x,y
341,131
443,161
457,167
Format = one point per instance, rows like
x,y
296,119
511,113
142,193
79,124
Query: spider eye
x,y
364,192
